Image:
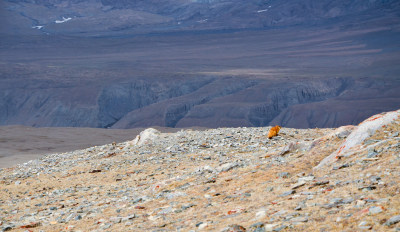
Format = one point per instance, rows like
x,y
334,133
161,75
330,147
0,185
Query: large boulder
x,y
145,137
363,131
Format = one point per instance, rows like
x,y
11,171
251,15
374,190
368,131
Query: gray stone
x,y
257,227
299,207
328,206
347,200
336,200
284,175
234,228
270,189
106,226
344,134
280,228
287,193
165,211
341,166
288,148
375,179
299,219
306,178
69,217
116,219
364,225
226,167
187,206
298,185
375,210
393,220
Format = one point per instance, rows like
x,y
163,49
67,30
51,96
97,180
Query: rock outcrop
x,y
364,130
145,137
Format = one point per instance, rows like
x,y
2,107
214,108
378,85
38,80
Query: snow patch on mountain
x,y
63,21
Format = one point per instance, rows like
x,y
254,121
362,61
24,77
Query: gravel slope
x,y
226,179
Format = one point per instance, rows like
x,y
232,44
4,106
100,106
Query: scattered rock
x,y
280,228
375,210
341,166
203,226
288,148
298,185
299,219
270,227
287,193
372,154
306,179
393,220
226,167
234,228
179,180
364,225
364,130
257,227
284,175
261,214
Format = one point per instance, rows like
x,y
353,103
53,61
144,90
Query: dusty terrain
x,y
19,144
226,179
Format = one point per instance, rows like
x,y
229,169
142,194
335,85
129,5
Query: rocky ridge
x,y
225,179
110,17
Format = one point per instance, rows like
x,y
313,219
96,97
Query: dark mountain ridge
x,y
125,64
107,17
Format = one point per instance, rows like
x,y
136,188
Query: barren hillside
x,y
226,179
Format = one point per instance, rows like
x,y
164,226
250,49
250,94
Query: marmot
x,y
273,131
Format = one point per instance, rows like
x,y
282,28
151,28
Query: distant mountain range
x,y
104,17
184,63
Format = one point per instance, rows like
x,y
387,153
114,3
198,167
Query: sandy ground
x,y
19,144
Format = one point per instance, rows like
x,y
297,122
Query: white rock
x,y
364,225
203,226
208,169
145,137
364,130
269,227
261,214
306,178
226,167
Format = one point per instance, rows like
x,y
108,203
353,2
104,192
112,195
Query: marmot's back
x,y
273,131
